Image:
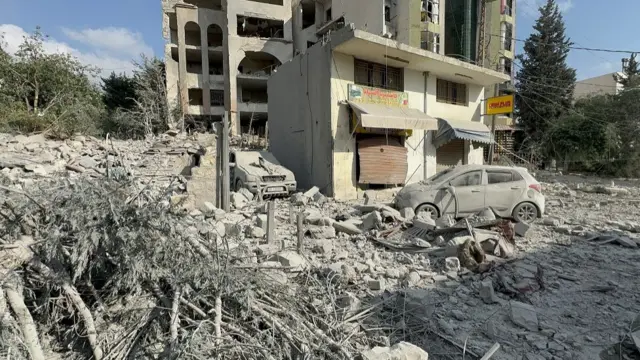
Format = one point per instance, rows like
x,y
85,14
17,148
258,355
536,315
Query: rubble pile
x,y
111,267
28,159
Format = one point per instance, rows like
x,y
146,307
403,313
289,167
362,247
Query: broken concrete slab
x,y
299,199
291,259
452,264
347,227
321,232
424,224
524,315
399,351
309,194
521,228
371,221
627,242
238,200
487,293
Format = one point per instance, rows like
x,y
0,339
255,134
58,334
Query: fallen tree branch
x,y
28,327
77,301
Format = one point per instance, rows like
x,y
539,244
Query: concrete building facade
x,y
598,85
219,55
480,32
362,111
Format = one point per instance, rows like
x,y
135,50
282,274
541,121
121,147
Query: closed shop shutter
x,y
449,154
382,161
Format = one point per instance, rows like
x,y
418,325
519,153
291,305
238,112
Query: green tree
x,y
49,92
545,83
119,91
630,73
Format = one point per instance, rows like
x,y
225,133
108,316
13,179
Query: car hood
x,y
415,187
272,170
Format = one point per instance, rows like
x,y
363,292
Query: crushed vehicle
x,y
261,173
511,192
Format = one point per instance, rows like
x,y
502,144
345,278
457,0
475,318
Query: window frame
x,y
378,75
465,174
449,92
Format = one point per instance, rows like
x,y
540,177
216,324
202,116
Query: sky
x,y
109,34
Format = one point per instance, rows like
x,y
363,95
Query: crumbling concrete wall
x,y
201,186
299,118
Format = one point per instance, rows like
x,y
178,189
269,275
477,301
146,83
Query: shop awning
x,y
392,117
464,130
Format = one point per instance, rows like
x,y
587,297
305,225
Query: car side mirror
x,y
232,165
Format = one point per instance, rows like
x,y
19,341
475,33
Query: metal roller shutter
x,y
382,161
449,155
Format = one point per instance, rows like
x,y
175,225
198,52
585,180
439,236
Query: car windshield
x,y
439,176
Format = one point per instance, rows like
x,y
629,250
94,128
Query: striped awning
x,y
449,130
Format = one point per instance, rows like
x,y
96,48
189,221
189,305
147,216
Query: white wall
x,y
299,118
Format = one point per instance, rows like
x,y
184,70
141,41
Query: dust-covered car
x,y
509,191
260,171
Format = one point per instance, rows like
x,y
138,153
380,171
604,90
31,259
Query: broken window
x,y
214,35
451,92
507,7
378,75
387,13
195,97
192,34
430,41
430,11
256,27
506,35
217,97
328,15
308,13
506,65
258,63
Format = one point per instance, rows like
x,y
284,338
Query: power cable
x,y
578,47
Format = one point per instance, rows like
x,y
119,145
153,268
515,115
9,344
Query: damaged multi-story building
x,y
219,55
383,93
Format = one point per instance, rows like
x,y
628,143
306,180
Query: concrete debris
x,y
487,293
407,213
377,284
452,264
312,192
347,227
238,200
322,232
399,351
425,224
524,315
371,221
299,199
291,259
521,228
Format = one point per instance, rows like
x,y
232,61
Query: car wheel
x,y
239,185
525,212
429,209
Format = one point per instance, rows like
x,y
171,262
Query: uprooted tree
x,y
104,270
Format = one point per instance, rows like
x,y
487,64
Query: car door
x,y
470,191
504,190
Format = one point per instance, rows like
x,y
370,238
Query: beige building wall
x,y
195,67
599,85
421,156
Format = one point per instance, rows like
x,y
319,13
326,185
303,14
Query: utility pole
x,y
226,189
219,168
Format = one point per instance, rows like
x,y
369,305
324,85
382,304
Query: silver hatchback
x,y
509,191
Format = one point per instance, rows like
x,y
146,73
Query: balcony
x,y
206,4
260,28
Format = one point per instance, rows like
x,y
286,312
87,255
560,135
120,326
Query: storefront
x,y
453,139
381,121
